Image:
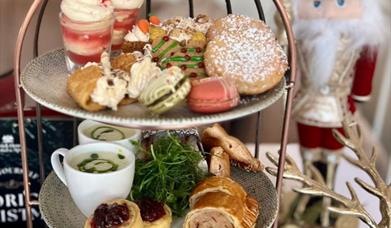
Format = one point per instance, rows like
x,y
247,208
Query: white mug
x,y
85,125
88,190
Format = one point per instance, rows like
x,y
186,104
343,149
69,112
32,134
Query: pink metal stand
x,y
20,102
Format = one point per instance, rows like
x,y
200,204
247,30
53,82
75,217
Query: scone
x,y
118,213
155,214
246,51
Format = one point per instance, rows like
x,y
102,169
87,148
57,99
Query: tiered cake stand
x,y
44,79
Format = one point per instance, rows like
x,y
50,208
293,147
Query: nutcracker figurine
x,y
337,42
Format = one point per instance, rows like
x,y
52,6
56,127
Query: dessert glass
x,y
124,21
85,41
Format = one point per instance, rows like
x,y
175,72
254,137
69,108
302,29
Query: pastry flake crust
x,y
218,206
220,201
217,184
80,86
123,62
219,164
217,136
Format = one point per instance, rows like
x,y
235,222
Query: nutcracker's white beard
x,y
319,39
320,56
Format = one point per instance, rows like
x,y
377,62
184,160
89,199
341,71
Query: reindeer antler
x,y
315,185
354,140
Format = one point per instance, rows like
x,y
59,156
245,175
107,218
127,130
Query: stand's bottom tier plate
x,y
59,211
45,78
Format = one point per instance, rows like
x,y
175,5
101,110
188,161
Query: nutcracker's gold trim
x,y
324,108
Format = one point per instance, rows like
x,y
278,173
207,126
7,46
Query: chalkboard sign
x,y
56,133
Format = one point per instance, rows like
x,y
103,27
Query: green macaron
x,y
166,91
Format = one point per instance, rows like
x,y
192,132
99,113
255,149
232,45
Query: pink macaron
x,y
211,95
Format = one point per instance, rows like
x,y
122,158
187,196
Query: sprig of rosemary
x,y
170,175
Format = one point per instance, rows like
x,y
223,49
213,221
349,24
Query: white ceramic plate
x,y
44,79
59,211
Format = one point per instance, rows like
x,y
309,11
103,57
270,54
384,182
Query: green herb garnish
x,y
97,165
94,156
170,175
99,132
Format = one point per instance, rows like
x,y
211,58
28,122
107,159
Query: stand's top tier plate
x,y
44,79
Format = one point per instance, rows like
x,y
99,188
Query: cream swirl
x,y
127,4
136,35
141,74
109,91
111,88
86,10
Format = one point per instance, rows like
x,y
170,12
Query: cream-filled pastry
x,y
141,74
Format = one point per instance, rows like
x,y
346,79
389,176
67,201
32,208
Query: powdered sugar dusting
x,y
201,23
246,48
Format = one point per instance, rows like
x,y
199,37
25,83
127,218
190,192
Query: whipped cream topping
x,y
90,64
127,4
86,10
141,74
109,91
136,35
111,88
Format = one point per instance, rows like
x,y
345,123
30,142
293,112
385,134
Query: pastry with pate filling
x,y
221,202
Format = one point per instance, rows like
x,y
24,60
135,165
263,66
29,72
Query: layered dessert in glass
x,y
125,15
87,27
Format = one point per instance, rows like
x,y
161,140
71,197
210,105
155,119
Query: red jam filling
x,y
106,216
150,210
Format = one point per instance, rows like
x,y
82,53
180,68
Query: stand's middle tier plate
x,y
45,77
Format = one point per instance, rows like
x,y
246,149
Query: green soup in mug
x,y
109,133
99,162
